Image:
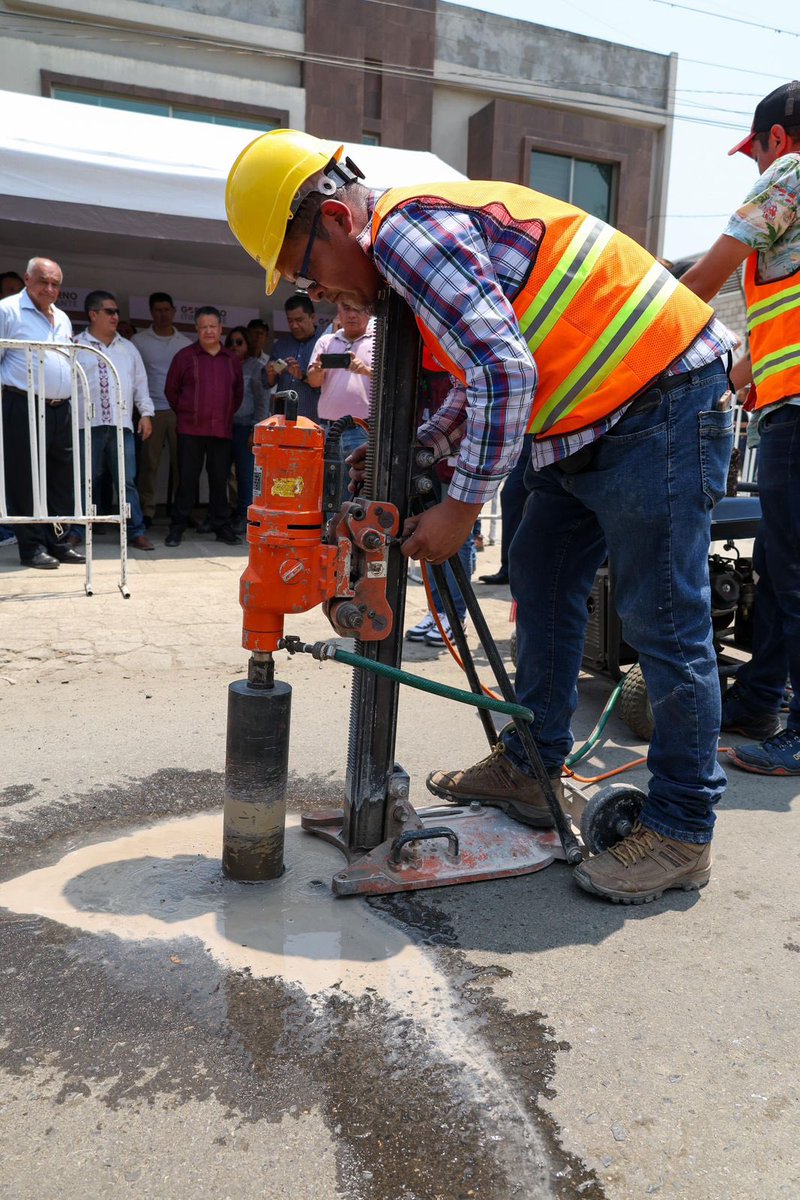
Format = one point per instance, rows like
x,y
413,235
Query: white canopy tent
x,y
102,170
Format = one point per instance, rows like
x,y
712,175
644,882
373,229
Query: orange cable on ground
x,y
566,772
451,648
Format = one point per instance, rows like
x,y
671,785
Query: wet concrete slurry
x,y
433,1093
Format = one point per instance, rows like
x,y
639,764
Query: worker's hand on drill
x,y
439,532
433,536
357,462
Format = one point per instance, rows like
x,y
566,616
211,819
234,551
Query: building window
x,y
589,185
370,139
373,88
161,108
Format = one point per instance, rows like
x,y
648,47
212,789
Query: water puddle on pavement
x,y
165,882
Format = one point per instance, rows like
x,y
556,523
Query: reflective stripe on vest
x,y
773,325
779,360
566,280
623,331
600,316
765,310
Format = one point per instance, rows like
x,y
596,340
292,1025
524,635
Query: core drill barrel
x,y
256,770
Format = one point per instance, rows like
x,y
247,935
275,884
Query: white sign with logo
x,y
139,310
71,300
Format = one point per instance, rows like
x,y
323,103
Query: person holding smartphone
x,y
293,351
342,370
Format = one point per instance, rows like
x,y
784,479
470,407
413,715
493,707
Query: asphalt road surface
x,y
170,1034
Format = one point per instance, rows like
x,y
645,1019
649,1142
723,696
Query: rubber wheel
x,y
609,816
634,705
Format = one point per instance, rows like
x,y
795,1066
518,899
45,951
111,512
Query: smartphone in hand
x,y
331,361
279,365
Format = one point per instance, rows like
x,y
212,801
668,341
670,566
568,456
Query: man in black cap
x,y
765,230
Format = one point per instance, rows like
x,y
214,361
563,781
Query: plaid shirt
x,y
460,271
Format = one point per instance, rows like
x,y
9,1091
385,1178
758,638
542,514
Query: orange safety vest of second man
x,y
601,317
773,326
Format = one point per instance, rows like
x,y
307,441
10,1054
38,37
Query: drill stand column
x,y
391,846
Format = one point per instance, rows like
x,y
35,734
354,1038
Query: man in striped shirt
x,y
624,462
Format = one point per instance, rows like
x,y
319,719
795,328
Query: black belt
x,y
51,403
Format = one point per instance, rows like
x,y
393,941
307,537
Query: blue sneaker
x,y
7,538
738,717
778,755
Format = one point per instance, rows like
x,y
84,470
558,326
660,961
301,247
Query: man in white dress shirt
x,y
103,313
31,315
158,345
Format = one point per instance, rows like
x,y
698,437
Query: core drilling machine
x,y
305,549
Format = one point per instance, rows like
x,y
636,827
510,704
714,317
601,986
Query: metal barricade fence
x,y
84,514
748,465
494,517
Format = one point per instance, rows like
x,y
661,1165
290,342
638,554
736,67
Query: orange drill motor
x,y
297,559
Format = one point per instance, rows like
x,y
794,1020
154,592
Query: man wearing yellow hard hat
x,y
550,322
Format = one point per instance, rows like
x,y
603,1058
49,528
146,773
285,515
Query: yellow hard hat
x,y
265,190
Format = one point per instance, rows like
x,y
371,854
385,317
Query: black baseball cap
x,y
781,107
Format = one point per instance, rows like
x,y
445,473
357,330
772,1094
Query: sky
x,y
725,66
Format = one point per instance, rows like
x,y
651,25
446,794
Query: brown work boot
x,y
497,783
644,865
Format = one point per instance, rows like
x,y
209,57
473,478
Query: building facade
x,y
493,97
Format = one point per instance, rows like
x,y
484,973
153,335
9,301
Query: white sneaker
x,y
434,637
417,632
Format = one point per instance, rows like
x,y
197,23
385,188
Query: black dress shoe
x,y
42,560
499,578
68,554
226,534
174,537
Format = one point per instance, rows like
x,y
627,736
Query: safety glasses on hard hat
x,y
302,280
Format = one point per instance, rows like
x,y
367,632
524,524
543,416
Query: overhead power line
x,y
499,18
499,84
727,17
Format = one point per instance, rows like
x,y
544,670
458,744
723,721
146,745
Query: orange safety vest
x,y
773,326
601,317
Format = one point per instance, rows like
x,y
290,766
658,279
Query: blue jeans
x,y
104,458
644,501
776,559
351,439
512,502
243,463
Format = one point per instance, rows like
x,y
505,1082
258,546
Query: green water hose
x,y
325,650
594,736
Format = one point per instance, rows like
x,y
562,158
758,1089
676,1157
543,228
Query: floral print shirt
x,y
769,219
